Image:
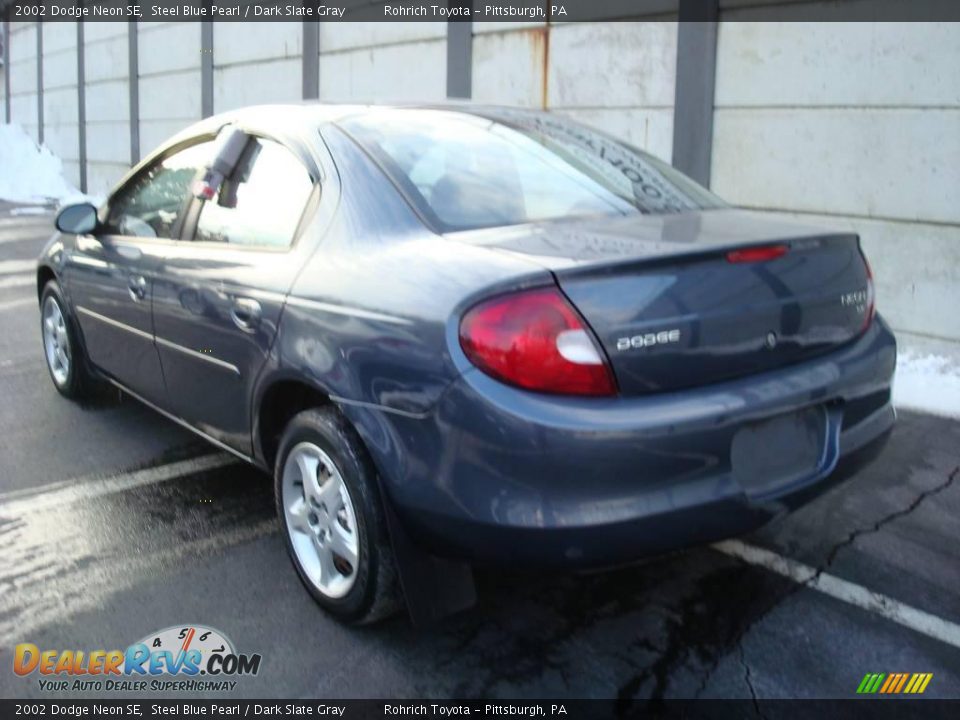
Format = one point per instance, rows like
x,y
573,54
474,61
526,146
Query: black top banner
x,y
476,10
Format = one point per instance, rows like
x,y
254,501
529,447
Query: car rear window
x,y
465,171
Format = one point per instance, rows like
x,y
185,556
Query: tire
x,y
62,350
336,535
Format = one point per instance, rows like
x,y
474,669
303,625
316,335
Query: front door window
x,y
152,204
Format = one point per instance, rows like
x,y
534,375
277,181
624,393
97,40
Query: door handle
x,y
137,285
246,313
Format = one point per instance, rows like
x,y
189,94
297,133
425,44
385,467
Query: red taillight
x,y
757,254
537,341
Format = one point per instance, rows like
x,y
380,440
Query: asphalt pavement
x,y
115,523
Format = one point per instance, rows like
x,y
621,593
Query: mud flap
x,y
433,587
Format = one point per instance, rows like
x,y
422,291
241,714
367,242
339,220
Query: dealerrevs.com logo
x,y
179,658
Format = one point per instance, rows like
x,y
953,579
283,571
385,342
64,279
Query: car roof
x,y
294,117
312,111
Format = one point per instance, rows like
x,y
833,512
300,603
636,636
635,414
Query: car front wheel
x,y
61,347
332,518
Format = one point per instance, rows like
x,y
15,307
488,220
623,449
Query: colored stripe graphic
x,y
919,683
871,683
894,683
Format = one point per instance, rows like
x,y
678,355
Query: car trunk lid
x,y
678,301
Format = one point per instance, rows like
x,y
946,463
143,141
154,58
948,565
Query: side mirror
x,y
79,219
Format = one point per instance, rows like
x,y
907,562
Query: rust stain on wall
x,y
540,58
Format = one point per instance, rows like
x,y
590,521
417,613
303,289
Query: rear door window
x,y
262,202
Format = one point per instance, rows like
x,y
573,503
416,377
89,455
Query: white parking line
x,y
11,304
58,494
848,592
31,210
64,492
21,280
20,221
8,267
31,603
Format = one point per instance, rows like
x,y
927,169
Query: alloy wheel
x,y
321,520
56,341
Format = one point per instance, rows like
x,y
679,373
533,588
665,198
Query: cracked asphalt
x,y
85,572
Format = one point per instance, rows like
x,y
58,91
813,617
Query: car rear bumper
x,y
498,475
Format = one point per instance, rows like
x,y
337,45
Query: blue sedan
x,y
464,335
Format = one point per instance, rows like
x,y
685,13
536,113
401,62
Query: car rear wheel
x,y
332,518
61,347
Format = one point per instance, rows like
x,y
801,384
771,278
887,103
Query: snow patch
x,y
31,173
927,382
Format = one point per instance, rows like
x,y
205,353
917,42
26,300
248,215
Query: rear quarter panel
x,y
366,321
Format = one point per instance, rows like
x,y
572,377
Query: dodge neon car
x,y
463,335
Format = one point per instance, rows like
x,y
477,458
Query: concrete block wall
x,y
107,104
60,100
383,62
619,77
255,64
3,75
626,92
857,126
23,76
510,63
848,125
168,61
